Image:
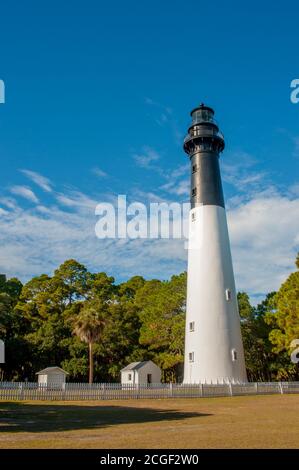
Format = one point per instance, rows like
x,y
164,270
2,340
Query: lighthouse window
x,y
192,326
228,294
234,355
191,357
193,216
194,168
194,191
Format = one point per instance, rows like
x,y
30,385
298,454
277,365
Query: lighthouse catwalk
x,y
213,344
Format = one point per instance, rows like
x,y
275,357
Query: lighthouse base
x,y
213,344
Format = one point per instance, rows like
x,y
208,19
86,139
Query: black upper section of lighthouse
x,y
203,144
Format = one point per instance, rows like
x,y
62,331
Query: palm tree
x,y
88,325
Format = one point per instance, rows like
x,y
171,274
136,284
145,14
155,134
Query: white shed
x,y
53,376
143,372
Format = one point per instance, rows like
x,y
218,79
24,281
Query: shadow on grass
x,y
23,417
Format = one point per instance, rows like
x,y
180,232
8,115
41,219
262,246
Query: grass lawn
x,y
239,422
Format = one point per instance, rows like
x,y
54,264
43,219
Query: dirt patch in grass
x,y
237,422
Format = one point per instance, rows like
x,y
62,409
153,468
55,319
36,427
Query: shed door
x,y
149,378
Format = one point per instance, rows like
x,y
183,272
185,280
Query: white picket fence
x,y
108,391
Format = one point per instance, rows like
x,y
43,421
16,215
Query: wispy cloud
x,y
178,181
146,158
76,199
239,170
296,146
9,202
163,119
24,192
164,116
38,179
156,104
182,170
148,196
180,188
100,173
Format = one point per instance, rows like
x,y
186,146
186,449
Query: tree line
x,y
92,327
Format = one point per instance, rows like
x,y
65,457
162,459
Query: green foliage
x,y
245,308
283,320
259,357
12,287
135,320
162,306
71,281
88,325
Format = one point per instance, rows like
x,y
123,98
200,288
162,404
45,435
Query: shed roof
x,y
48,370
137,365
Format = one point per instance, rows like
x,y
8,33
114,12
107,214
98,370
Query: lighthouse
x,y
213,343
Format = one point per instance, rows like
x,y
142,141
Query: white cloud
x,y
38,179
24,192
264,237
294,189
263,229
3,211
100,173
8,202
37,240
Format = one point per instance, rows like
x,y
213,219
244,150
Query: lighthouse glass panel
x,y
202,115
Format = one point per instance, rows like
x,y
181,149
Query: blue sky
x,y
98,97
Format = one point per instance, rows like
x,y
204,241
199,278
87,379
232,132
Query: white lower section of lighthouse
x,y
213,343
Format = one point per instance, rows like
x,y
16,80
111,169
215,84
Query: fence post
x,y
21,395
281,388
63,390
256,387
170,390
230,388
201,390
